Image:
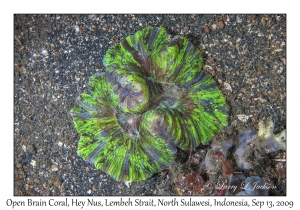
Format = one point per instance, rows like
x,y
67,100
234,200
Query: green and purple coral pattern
x,y
152,98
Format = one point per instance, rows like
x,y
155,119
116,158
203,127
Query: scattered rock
x,y
220,24
262,100
195,182
33,163
56,183
227,87
242,117
54,168
206,29
186,29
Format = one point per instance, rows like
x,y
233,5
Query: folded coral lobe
x,y
152,98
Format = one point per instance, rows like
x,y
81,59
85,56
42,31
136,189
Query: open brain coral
x,y
152,98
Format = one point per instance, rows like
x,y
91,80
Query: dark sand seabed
x,y
54,56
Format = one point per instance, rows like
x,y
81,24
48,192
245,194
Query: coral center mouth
x,y
131,95
164,94
130,123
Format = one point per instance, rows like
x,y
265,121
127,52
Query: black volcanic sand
x,y
54,56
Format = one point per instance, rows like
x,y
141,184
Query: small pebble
x,y
128,184
239,19
186,29
213,27
76,28
54,168
220,24
262,100
24,148
242,117
227,168
33,163
227,87
206,29
194,182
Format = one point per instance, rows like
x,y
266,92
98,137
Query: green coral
x,y
152,98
